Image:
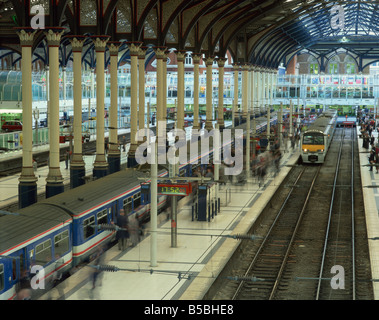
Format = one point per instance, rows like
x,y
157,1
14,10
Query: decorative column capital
x,y
53,36
134,48
26,36
236,67
77,42
221,62
160,52
246,67
142,53
180,55
209,61
196,57
100,42
113,47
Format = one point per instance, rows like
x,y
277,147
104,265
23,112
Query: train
x,y
315,141
64,228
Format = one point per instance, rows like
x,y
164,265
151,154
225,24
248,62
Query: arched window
x,y
313,65
333,65
350,67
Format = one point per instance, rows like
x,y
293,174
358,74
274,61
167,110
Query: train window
x,y
88,231
61,243
43,253
102,217
313,139
128,204
137,200
1,277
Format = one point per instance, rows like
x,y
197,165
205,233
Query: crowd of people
x,y
368,126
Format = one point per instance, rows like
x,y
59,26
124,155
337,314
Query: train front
x,y
313,147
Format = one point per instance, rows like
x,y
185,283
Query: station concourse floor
x,y
184,272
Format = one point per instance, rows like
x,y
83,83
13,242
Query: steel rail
x,y
320,278
352,212
267,236
273,291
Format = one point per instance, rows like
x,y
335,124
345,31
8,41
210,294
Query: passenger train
x,y
315,141
63,228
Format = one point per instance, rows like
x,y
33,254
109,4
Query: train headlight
x,y
305,150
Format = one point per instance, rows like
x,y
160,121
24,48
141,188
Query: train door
x,y
114,213
19,266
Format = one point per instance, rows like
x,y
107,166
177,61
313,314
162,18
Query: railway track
x,y
320,225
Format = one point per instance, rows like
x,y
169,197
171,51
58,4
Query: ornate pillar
x,y
164,89
27,187
77,166
114,154
160,53
64,84
252,90
141,86
245,77
258,89
100,166
263,89
196,74
134,49
209,94
220,118
180,55
54,180
235,100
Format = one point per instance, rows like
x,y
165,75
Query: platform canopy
x,y
265,33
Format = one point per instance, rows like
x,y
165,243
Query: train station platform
x,y
370,187
186,271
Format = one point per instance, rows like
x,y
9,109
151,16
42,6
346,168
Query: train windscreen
x,y
313,138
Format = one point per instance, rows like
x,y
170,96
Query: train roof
x,y
321,123
97,192
28,223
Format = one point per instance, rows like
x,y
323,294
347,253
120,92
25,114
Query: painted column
x,y
100,166
180,56
264,82
209,94
253,92
64,85
164,82
159,52
27,187
141,88
220,119
54,180
114,153
77,166
291,120
235,100
268,123
196,75
134,48
268,88
245,75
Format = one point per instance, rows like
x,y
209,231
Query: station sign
x,y
169,189
173,189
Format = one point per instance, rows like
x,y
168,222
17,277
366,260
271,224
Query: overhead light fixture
x,y
344,39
